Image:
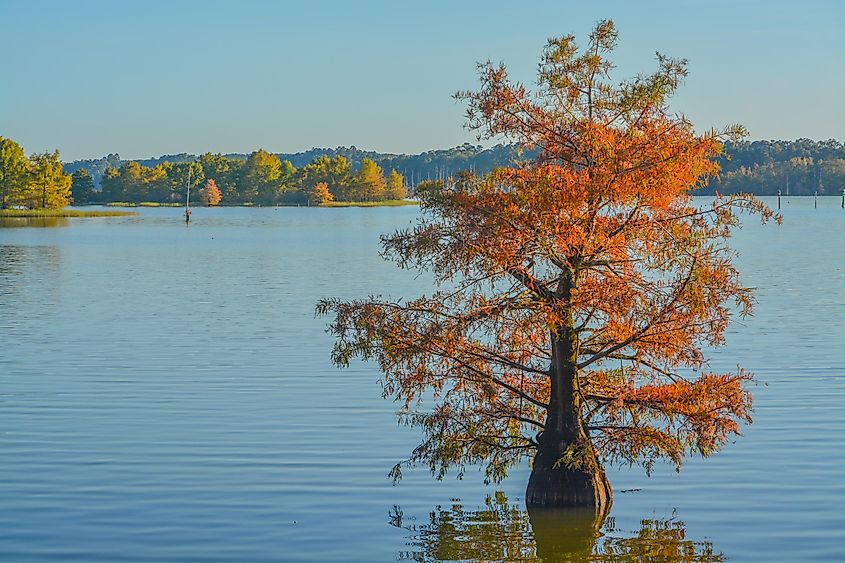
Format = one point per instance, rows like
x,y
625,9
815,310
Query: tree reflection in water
x,y
26,222
502,531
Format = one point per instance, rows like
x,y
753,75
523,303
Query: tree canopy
x,y
261,179
759,167
82,187
14,172
320,194
576,289
210,193
38,181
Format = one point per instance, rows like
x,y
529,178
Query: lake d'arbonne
x,y
166,393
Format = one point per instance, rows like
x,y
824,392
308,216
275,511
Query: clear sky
x,y
149,78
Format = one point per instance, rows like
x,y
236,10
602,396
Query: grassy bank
x,y
142,204
61,213
387,203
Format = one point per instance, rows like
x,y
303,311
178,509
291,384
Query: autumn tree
x,y
320,194
577,290
210,193
49,186
395,188
368,183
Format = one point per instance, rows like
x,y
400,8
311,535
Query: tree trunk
x,y
553,484
562,487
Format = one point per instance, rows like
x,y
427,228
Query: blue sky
x,y
150,78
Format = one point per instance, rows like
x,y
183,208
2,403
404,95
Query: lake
x,y
166,393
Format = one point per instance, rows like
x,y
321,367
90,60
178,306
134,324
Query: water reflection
x,y
12,222
502,531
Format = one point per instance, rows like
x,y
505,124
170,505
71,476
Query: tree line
x,y
37,181
758,167
801,167
261,178
415,168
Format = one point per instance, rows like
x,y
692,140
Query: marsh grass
x,y
386,203
142,204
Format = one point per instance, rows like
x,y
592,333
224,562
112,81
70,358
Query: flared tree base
x,y
561,487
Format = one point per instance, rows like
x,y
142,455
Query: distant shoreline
x,y
384,203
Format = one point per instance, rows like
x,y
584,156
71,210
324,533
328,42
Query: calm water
x,y
166,393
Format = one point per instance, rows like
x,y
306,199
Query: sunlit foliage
x,y
395,186
210,193
576,290
37,182
261,179
320,194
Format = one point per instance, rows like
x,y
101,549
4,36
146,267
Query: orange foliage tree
x,y
210,193
576,290
320,194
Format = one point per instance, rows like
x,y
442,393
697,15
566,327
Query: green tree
x,y
231,188
261,178
395,186
82,187
49,186
340,176
112,189
133,187
157,183
335,172
14,172
225,172
315,172
181,174
287,183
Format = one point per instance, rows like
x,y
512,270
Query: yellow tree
x,y
14,172
49,186
395,186
577,291
368,182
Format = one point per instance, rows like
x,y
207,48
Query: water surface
x,y
166,393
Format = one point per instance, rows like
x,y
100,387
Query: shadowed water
x,y
166,393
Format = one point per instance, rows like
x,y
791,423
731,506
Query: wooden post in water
x,y
188,199
843,198
778,200
816,200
